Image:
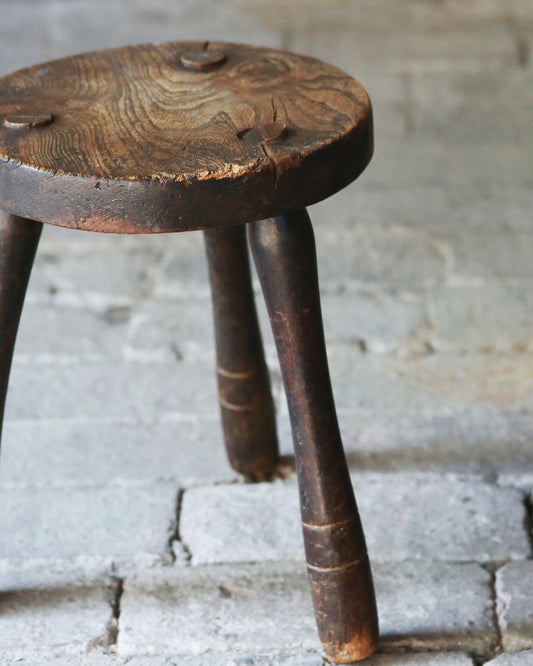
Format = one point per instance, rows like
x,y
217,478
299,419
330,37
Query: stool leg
x,y
341,581
248,418
18,242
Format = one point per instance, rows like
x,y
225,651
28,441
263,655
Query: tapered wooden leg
x,y
18,242
245,398
341,581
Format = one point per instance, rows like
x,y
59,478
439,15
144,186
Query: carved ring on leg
x,y
245,398
341,581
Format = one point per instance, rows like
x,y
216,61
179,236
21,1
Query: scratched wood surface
x,y
178,136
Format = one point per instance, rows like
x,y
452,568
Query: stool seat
x,y
178,136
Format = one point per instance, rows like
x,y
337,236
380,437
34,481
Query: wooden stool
x,y
212,136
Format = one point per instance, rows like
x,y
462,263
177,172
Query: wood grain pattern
x,y
246,405
339,570
18,243
141,143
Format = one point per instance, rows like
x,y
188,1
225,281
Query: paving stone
x,y
423,659
517,479
514,590
442,605
420,161
125,521
72,27
381,394
423,384
192,611
498,380
163,330
376,321
60,335
46,611
431,209
482,317
524,658
396,258
470,106
95,275
398,44
382,17
486,439
99,451
286,658
183,273
111,390
221,608
382,320
59,240
501,256
300,658
292,658
406,516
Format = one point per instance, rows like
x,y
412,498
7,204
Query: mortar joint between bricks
x,y
113,627
498,648
520,39
479,660
175,536
528,521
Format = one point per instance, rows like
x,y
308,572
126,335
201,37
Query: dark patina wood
x,y
198,135
338,566
245,398
18,242
140,142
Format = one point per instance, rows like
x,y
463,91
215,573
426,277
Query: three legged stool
x,y
211,136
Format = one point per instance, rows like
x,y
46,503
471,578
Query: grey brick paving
x,y
90,451
496,255
219,608
517,479
446,659
46,611
301,658
483,439
524,658
192,611
398,258
478,314
425,273
120,521
405,517
514,589
454,114
286,658
133,390
437,605
91,335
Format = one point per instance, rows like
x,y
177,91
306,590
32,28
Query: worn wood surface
x,y
178,136
18,242
337,561
245,398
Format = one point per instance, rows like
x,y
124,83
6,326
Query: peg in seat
x,y
217,137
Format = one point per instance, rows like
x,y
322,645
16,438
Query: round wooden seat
x,y
178,136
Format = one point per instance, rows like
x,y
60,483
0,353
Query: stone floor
x,y
126,537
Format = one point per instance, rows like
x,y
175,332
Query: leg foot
x,y
338,566
18,242
246,405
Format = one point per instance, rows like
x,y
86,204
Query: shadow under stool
x,y
220,137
